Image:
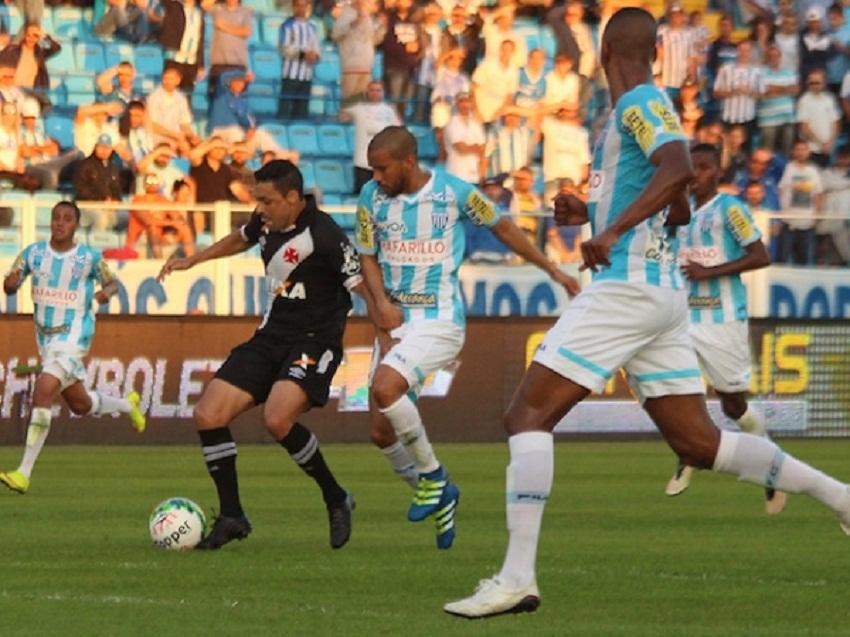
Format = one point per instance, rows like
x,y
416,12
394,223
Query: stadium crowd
x,y
509,96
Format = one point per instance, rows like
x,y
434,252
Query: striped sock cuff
x,y
306,453
220,451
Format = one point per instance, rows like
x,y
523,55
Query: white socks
x,y
401,463
752,423
37,432
103,405
760,461
407,424
529,482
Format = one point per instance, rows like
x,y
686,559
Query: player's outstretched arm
x,y
756,257
667,184
387,315
508,233
12,282
105,293
234,243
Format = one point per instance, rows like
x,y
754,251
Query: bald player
x,y
410,235
633,315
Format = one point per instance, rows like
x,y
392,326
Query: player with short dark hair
x,y
634,315
719,244
411,238
64,277
289,363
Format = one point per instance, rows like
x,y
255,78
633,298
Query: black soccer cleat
x,y
339,520
224,530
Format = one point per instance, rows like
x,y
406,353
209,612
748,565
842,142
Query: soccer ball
x,y
177,524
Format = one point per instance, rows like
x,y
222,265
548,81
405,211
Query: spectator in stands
x,y
733,153
32,11
169,113
299,45
482,246
465,142
211,174
509,144
125,19
29,58
158,162
97,178
754,194
93,121
837,64
787,38
801,190
356,32
182,39
137,140
526,205
710,132
159,226
819,118
498,26
494,84
761,36
724,50
562,242
450,81
9,91
370,117
815,44
701,35
117,84
531,88
688,106
463,31
776,107
567,44
243,179
835,232
404,48
12,166
566,150
564,86
41,154
583,37
233,24
677,51
426,75
765,169
740,85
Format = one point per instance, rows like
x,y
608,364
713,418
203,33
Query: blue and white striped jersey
x,y
419,242
294,38
63,287
718,233
642,121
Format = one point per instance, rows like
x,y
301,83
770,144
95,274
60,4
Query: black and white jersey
x,y
310,269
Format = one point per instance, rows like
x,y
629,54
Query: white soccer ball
x,y
177,524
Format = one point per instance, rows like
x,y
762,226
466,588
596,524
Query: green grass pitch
x,y
617,557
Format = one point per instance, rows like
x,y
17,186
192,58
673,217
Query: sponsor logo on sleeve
x,y
740,223
637,125
364,231
480,209
669,120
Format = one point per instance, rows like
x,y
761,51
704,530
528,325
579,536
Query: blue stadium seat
x,y
79,90
278,132
256,38
56,92
62,62
182,164
149,59
327,70
116,52
61,129
548,42
329,199
12,18
67,22
330,176
262,98
321,97
303,138
333,140
378,66
320,28
308,172
426,143
200,102
90,56
271,27
266,64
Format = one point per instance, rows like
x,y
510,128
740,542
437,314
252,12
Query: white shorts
x,y
424,347
641,328
64,362
723,350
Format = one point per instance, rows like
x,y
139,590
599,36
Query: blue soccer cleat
x,y
445,516
429,492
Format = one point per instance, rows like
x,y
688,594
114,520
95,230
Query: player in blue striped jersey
x,y
719,244
64,277
634,315
410,236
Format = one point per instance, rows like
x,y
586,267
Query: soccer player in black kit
x,y
289,363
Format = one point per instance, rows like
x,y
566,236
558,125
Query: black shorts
x,y
255,366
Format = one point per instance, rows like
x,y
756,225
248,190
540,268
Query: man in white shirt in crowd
x,y
41,154
12,167
158,162
801,193
465,142
835,231
566,150
564,86
170,115
677,51
499,26
495,82
94,120
370,117
739,86
139,141
819,118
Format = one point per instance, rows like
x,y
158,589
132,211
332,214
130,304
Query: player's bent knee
x,y
699,453
382,437
79,407
384,395
734,405
207,417
278,425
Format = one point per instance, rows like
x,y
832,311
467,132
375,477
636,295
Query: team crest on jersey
x,y
78,266
439,197
440,219
350,262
